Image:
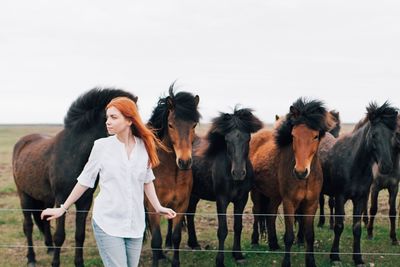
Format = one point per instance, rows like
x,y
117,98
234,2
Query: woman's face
x,y
116,122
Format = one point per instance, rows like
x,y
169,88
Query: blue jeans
x,y
117,251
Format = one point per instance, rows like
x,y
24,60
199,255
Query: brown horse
x,y
287,170
174,119
45,169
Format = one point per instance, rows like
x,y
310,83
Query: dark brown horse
x,y
174,120
45,169
287,170
348,170
388,181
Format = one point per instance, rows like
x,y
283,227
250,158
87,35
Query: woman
x,y
123,162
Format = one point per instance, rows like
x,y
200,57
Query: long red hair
x,y
130,111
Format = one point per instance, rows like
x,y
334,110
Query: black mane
x,y
385,114
309,112
241,119
88,110
185,108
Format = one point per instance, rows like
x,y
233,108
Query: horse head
x,y
304,126
380,133
234,131
175,119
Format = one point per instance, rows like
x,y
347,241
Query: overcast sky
x,y
258,53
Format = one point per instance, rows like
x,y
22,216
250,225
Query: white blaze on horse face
x,y
305,145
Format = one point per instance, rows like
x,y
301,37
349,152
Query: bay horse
x,y
389,181
348,169
222,172
174,120
45,170
260,201
287,170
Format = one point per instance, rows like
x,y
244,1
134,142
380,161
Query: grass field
x,y
13,242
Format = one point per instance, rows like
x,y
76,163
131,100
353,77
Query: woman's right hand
x,y
52,213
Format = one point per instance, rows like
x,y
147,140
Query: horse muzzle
x,y
184,164
302,175
238,175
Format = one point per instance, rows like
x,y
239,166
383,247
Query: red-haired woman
x,y
123,162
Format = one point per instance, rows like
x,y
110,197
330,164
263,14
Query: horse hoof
x,y
337,263
31,264
255,245
50,251
241,261
370,237
395,243
361,265
274,247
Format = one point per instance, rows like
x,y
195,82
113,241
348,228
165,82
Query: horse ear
x,y
276,117
227,116
196,100
135,99
170,103
294,111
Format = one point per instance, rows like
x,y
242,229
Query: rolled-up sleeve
x,y
92,168
149,176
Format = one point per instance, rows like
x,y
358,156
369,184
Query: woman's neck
x,y
125,137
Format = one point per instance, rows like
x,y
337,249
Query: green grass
x,y
11,232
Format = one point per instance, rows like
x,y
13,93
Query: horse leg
x,y
289,210
168,238
59,237
271,225
331,204
309,210
192,238
176,238
82,206
156,238
373,210
27,203
392,212
300,220
222,205
358,207
44,227
338,229
365,211
237,227
255,197
321,221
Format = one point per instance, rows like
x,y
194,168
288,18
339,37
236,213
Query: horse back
x,y
30,162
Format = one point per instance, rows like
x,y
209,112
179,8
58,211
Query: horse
x,y
287,170
45,170
326,143
174,120
222,172
390,182
348,169
260,201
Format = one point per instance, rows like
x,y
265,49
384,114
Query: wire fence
x,y
207,214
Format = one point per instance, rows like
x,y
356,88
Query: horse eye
x,y
316,137
170,126
194,126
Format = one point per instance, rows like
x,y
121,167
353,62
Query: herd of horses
x,y
298,162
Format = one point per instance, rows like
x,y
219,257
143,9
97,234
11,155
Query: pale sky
x,y
257,53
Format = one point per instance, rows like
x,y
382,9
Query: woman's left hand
x,y
167,213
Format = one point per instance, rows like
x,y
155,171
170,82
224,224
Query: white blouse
x,y
118,208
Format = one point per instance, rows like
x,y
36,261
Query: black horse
x,y
222,172
45,169
388,181
348,170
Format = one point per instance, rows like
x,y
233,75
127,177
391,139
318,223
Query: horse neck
x,y
360,150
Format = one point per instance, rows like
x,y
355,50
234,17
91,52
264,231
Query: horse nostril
x,y
300,175
243,173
